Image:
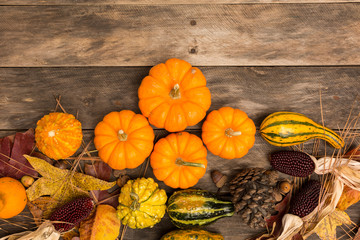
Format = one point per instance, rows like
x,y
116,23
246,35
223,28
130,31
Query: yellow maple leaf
x,y
61,184
327,227
349,197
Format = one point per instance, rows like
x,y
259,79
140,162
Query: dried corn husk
x,y
291,226
46,231
346,170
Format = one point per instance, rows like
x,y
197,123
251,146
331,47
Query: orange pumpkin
x,y
58,135
124,139
228,133
174,95
179,160
13,197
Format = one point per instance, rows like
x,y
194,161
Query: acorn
x,y
71,214
284,187
218,178
306,200
27,181
294,163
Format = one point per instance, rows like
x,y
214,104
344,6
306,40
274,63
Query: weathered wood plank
x,y
231,228
26,94
205,35
157,2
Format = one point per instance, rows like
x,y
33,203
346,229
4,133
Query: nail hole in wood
x,y
193,50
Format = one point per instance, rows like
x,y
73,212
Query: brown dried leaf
x,y
99,170
104,225
12,149
281,208
348,198
61,184
353,154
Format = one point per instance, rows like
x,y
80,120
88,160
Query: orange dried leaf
x,y
348,198
104,225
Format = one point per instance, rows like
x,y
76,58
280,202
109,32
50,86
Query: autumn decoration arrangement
x,y
90,197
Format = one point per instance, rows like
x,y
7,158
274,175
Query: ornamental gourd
x,y
141,203
179,160
174,95
124,139
193,208
58,135
289,128
192,234
228,133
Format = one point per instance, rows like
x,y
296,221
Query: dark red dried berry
x,y
72,213
293,163
306,200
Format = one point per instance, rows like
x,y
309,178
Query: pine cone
x,y
253,195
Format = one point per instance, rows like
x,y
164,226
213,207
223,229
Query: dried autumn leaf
x,y
281,210
348,198
38,208
354,154
105,225
12,149
327,227
102,171
61,184
70,235
99,170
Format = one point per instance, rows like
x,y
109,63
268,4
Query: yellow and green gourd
x,y
290,128
192,208
192,235
141,203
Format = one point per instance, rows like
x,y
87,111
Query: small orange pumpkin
x,y
124,139
13,197
228,133
174,95
179,160
58,135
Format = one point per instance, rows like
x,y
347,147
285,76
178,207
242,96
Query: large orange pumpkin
x,y
179,160
58,135
228,133
124,139
174,95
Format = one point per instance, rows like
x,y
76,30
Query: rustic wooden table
x,y
260,56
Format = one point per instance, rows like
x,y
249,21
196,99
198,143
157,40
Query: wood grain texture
x,y
205,35
157,2
26,94
232,228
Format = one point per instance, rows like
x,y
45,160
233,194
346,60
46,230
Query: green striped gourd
x,y
189,234
290,128
193,208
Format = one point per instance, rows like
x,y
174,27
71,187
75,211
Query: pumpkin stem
x,y
135,205
175,92
231,133
122,136
181,162
51,133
